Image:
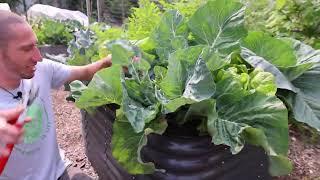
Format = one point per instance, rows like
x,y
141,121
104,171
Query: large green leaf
x,y
261,111
287,56
306,102
122,52
139,103
179,63
127,144
104,88
259,62
171,34
303,52
77,88
219,24
213,59
300,79
259,119
271,49
171,105
306,58
188,79
200,84
294,72
146,44
229,87
142,92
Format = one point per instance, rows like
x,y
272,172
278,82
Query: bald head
x,y
7,19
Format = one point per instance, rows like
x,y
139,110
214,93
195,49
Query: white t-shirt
x,y
38,157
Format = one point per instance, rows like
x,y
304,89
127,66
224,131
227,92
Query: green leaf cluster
x,y
90,45
54,32
294,18
240,87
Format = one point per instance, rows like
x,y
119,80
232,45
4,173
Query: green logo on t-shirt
x,y
33,129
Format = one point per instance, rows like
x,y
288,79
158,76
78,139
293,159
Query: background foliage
x,y
286,18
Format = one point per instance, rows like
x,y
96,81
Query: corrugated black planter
x,y
180,151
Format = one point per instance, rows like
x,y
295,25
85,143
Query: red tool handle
x,y
4,159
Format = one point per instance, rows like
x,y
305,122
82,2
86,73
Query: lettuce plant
x,y
224,78
54,32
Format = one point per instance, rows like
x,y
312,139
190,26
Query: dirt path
x,y
69,132
306,157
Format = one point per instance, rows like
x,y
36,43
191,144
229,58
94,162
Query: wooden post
x,y
25,7
99,9
89,9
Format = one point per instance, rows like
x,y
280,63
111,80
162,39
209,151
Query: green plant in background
x,y
143,20
89,45
257,13
119,9
185,7
54,32
283,18
82,49
298,19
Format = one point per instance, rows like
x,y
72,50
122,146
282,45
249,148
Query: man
x,y
21,66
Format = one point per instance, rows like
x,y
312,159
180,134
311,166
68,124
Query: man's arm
x,y
86,72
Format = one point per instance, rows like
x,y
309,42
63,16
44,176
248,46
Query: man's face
x,y
21,55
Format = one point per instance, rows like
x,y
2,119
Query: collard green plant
x,y
240,87
90,45
296,68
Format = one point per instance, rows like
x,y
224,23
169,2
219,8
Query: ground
x,y
69,134
305,156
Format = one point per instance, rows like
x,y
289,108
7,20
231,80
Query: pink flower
x,y
136,59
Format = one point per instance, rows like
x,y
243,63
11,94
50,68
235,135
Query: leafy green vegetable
x,y
54,32
171,34
105,88
205,68
143,20
188,79
127,144
297,74
219,24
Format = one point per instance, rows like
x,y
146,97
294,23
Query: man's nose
x,y
36,55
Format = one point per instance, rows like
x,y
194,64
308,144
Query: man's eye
x,y
26,49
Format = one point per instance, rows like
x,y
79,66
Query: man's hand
x,y
86,72
107,61
9,134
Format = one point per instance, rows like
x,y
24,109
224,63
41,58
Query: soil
x,y
305,156
69,133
